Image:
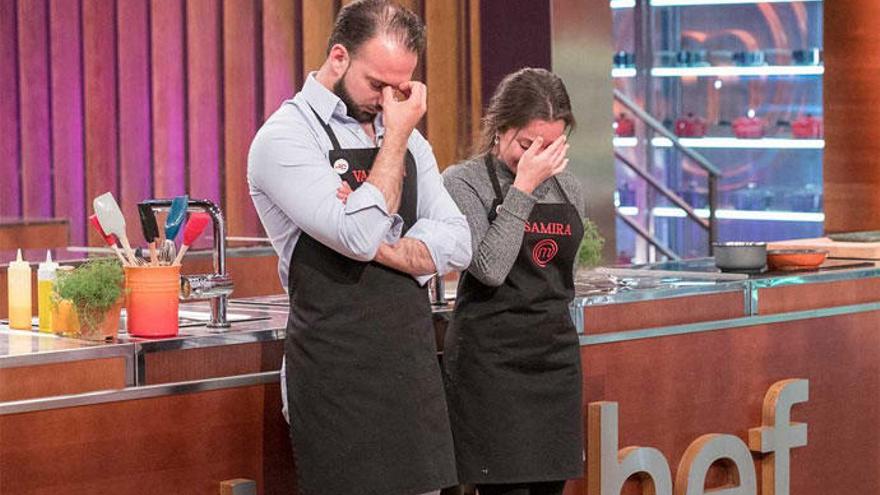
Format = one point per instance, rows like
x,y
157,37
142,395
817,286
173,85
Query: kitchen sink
x,y
199,318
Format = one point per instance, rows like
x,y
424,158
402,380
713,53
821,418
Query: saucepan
x,y
740,256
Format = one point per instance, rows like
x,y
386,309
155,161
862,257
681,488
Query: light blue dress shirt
x,y
293,188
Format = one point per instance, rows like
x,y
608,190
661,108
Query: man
x,y
367,409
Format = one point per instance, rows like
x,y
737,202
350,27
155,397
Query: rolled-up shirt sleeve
x,y
441,226
289,167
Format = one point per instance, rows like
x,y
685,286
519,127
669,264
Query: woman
x,y
511,355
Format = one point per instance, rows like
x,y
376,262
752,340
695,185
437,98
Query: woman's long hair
x,y
521,97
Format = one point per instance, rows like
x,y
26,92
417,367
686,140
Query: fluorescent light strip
x,y
685,3
623,4
736,143
625,142
736,70
785,216
722,214
623,72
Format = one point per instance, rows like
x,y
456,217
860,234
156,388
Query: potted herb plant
x,y
590,250
88,299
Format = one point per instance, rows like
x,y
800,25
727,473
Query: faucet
x,y
215,286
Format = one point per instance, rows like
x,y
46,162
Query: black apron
x,y
367,408
512,360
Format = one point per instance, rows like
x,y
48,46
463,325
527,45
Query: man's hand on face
x,y
402,115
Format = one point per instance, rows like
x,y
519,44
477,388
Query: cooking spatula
x,y
113,222
151,230
110,239
176,215
194,228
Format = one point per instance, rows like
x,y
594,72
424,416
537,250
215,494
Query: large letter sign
x,y
779,435
608,468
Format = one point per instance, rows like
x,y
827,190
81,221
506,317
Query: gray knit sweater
x,y
496,244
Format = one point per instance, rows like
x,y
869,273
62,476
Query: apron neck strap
x,y
562,190
327,129
493,177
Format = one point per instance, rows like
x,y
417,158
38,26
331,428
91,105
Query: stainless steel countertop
x,y
254,319
264,318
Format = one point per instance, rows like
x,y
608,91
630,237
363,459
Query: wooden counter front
x,y
212,362
72,377
662,312
677,383
185,443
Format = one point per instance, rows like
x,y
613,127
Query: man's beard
x,y
354,111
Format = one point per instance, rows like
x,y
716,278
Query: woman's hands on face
x,y
536,165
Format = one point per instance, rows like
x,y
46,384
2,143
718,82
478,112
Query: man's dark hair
x,y
360,21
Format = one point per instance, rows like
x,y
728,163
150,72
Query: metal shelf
x,y
727,214
729,143
628,4
726,71
737,143
743,71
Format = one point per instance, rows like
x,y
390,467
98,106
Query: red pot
x,y
690,126
748,128
807,127
624,126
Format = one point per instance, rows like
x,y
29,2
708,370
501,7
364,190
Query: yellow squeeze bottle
x,y
46,274
19,289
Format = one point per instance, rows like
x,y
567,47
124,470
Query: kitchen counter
x,y
682,349
263,318
253,320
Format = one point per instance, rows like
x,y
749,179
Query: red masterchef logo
x,y
544,251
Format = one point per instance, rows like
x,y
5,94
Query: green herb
x,y
93,287
590,250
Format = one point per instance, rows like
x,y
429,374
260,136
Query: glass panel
x,y
743,83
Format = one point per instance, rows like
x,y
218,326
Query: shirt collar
x,y
321,99
327,104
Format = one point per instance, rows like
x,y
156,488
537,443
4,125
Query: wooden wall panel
x,y
36,175
157,97
169,101
204,98
446,67
99,70
851,171
65,23
317,23
10,186
135,126
474,70
280,54
241,100
33,234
